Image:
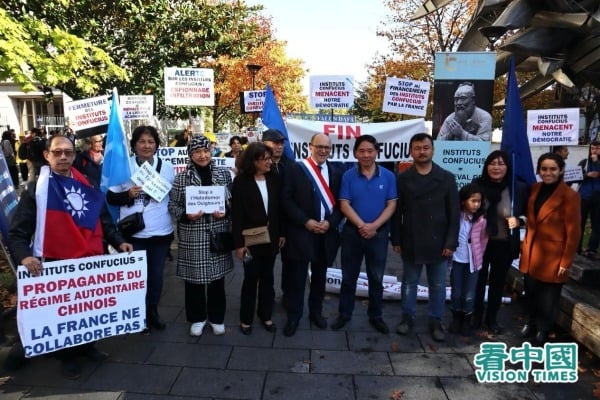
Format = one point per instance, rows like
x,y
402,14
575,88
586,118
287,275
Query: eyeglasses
x,y
59,153
321,148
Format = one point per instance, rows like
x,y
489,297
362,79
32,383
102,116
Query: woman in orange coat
x,y
553,232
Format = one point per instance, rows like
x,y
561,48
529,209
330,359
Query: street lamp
x,y
253,68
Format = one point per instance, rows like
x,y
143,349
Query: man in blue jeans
x,y
368,200
425,232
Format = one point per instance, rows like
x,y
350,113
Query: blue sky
x,y
333,37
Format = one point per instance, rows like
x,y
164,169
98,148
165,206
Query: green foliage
x,y
145,36
32,52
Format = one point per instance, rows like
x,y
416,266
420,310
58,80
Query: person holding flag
x,y
62,205
157,233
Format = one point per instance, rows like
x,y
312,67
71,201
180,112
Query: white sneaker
x,y
218,329
196,328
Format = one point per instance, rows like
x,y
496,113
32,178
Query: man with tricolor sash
x,y
61,216
309,196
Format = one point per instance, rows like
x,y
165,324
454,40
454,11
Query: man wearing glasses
x,y
309,194
467,122
26,238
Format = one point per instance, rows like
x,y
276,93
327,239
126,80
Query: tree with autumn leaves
x,y
127,43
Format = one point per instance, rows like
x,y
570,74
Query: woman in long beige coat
x,y
553,232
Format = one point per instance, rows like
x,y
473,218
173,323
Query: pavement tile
x,y
45,371
375,341
137,396
228,384
152,379
405,388
8,391
127,349
308,386
258,359
185,355
428,364
461,389
73,394
350,362
316,339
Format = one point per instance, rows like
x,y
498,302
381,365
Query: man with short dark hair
x,y
368,200
425,232
467,122
26,237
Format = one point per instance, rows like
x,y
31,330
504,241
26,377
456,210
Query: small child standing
x,y
468,258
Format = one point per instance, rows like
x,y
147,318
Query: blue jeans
x,y
463,287
374,251
157,249
436,280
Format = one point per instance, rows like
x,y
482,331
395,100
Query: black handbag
x,y
221,242
131,224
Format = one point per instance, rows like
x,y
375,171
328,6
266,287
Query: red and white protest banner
x,y
81,300
405,96
553,127
189,86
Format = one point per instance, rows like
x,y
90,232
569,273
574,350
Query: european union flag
x,y
115,167
514,131
271,118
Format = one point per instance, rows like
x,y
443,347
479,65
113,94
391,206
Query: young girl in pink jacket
x,y
468,258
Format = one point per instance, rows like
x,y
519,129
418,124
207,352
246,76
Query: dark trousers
x,y
297,273
157,249
374,251
24,171
496,262
541,300
205,300
591,207
14,174
257,273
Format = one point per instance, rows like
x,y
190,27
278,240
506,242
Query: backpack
x,y
23,151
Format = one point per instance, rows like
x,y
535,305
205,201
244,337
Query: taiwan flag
x,y
68,209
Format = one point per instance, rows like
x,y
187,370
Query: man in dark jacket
x,y
60,154
425,232
309,195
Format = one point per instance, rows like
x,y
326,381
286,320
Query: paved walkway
x,y
355,363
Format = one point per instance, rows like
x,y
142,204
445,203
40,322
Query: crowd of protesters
x,y
472,236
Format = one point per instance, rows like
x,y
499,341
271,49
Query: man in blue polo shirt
x,y
367,199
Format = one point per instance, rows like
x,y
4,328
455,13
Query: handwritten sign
x,y
573,174
151,182
81,300
204,198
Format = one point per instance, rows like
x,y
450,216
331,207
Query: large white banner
x,y
559,126
331,91
88,113
405,96
80,301
137,107
393,137
189,86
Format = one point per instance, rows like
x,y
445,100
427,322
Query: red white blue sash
x,y
322,188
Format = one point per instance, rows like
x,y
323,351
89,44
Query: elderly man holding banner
x,y
47,209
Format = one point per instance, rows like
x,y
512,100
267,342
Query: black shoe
x,y
540,338
495,329
154,320
246,330
457,321
290,328
436,329
528,330
318,320
94,354
476,320
70,369
269,327
406,325
146,331
465,328
380,325
340,322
